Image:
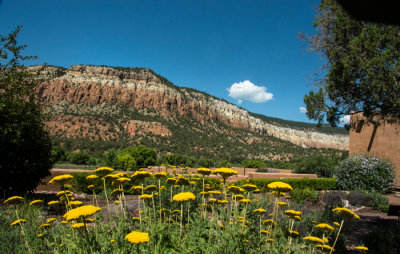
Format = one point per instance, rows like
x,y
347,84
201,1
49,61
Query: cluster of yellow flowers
x,y
81,212
61,179
225,172
346,214
280,186
184,197
204,171
137,237
104,171
15,200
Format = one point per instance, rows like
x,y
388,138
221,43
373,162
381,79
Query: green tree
x,y
144,156
125,161
110,157
80,157
25,144
363,67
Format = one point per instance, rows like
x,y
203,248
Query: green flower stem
x,y
105,193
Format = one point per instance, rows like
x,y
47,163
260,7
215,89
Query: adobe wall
x,y
385,142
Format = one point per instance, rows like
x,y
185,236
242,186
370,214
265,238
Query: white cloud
x,y
345,119
303,110
248,91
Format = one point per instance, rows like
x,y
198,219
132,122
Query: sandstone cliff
x,y
140,88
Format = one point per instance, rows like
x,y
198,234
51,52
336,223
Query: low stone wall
x,y
256,175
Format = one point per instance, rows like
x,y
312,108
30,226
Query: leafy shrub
x,y
357,198
321,165
379,202
303,195
80,157
296,183
365,172
334,199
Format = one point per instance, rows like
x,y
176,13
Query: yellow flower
x,y
110,177
225,172
297,218
116,192
61,179
346,214
92,186
293,233
171,181
280,186
238,197
64,222
235,189
76,203
183,197
51,220
249,187
223,202
292,213
81,212
135,218
260,211
36,202
141,175
160,175
336,224
221,226
122,174
104,170
264,232
361,248
117,202
15,200
151,188
45,225
182,181
245,201
204,171
214,192
40,235
313,239
324,247
78,225
282,203
269,222
112,241
176,212
324,227
92,177
315,222
146,196
53,203
137,237
20,221
120,180
63,193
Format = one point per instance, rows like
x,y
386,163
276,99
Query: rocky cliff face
x,y
143,90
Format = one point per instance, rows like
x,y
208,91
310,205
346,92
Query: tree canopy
x,y
25,144
363,67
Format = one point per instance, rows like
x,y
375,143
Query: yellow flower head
x,y
135,218
249,187
323,247
260,211
280,186
76,203
324,227
120,180
313,239
171,181
116,192
110,177
92,186
137,237
182,181
53,203
112,241
282,203
151,188
81,212
245,201
45,225
63,193
176,212
160,175
223,202
78,225
104,171
235,189
204,171
214,193
292,213
51,220
146,196
20,221
64,222
296,218
225,172
40,235
212,200
336,224
264,232
15,200
61,179
361,248
293,233
238,197
36,202
183,197
346,214
269,222
141,175
137,188
91,177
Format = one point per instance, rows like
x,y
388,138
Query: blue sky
x,y
245,52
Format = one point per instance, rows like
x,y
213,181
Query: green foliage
x,y
303,195
323,166
25,145
125,162
363,67
253,164
58,154
365,172
296,183
81,157
143,156
204,162
379,202
110,157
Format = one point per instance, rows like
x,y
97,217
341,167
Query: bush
x,y
80,157
358,198
379,202
296,183
323,166
365,172
303,195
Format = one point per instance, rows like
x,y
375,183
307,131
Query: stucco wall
x,y
384,143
